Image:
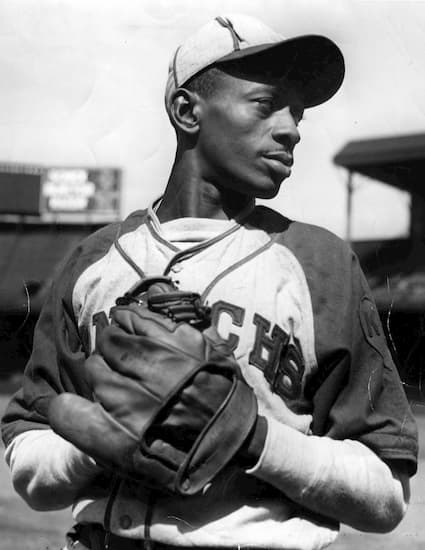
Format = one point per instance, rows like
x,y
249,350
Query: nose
x,y
285,130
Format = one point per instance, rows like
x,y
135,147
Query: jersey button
x,y
125,521
177,268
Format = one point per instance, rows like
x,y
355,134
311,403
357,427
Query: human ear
x,y
184,111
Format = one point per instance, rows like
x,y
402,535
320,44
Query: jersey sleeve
x,y
56,362
59,349
357,392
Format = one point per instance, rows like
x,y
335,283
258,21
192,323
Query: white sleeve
x,y
343,480
48,471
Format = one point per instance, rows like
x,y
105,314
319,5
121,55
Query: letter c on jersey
x,y
237,314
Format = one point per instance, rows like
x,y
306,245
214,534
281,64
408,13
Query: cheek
x,y
230,136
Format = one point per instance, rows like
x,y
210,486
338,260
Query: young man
x,y
337,441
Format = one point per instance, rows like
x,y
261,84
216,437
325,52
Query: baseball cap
x,y
313,63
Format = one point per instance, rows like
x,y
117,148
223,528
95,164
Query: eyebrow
x,y
263,87
277,91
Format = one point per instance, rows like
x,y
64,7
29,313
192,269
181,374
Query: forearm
x,y
343,480
48,471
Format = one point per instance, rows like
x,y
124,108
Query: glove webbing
x,y
178,305
181,306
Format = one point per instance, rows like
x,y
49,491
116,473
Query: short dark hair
x,y
205,83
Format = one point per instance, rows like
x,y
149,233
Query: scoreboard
x,y
60,194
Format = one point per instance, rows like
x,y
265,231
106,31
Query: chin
x,y
260,186
269,191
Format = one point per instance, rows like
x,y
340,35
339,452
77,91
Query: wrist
x,y
253,446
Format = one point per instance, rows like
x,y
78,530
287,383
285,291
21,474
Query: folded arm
x,y
48,472
343,480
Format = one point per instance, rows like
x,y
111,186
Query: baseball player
x,y
210,373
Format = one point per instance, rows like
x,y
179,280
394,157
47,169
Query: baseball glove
x,y
170,407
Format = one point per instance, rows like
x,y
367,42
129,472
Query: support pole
x,y
349,206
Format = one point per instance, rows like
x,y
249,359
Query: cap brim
x,y
312,63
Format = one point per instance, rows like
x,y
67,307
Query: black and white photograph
x,y
212,283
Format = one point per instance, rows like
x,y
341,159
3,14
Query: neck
x,y
189,194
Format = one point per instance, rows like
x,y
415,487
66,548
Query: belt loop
x,y
107,540
148,543
115,483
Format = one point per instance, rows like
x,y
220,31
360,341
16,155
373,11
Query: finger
x,y
102,379
90,428
141,322
155,364
125,398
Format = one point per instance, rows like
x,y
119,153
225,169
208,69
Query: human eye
x,y
265,105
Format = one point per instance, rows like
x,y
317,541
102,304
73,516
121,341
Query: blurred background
x,y
84,140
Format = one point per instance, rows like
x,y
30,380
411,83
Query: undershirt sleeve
x,y
358,393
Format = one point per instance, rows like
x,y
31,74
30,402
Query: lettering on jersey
x,y
85,338
100,321
291,370
237,314
271,346
279,356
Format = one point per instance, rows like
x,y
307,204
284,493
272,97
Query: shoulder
x,y
327,263
98,243
309,243
91,249
105,236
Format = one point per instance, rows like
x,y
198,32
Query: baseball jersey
x,y
293,304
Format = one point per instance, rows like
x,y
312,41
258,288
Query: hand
x,y
171,407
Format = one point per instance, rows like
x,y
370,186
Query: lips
x,y
280,162
281,156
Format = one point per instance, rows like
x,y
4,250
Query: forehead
x,y
243,83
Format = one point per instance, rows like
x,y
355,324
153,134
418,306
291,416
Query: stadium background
x,y
82,86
